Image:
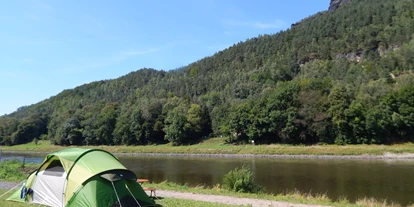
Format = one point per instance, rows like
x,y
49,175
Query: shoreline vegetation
x,y
215,147
12,171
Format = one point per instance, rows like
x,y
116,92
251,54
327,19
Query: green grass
x,y
14,170
3,201
165,202
218,146
175,202
292,197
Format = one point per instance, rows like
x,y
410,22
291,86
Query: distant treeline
x,y
343,77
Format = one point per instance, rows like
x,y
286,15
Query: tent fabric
x,y
82,177
48,187
116,175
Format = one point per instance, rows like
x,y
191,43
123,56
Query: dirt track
x,y
228,200
207,198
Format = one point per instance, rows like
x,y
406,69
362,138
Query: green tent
x,y
82,178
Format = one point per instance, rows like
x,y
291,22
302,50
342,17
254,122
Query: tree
x,y
105,124
175,131
339,100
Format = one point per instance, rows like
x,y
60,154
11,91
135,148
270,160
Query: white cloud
x,y
8,74
28,60
115,58
220,47
131,53
75,69
228,33
277,24
22,41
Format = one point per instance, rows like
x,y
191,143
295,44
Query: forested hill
x,y
343,76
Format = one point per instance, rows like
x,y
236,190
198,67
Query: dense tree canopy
x,y
341,77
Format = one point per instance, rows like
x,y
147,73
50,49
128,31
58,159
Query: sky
x,y
52,45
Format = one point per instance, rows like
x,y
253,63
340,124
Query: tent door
x,y
49,186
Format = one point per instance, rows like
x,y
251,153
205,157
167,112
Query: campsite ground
x,y
13,172
209,198
217,146
178,199
174,195
165,202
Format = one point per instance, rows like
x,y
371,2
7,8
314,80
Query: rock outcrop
x,y
336,3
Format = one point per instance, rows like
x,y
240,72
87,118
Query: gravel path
x,y
207,198
5,185
229,200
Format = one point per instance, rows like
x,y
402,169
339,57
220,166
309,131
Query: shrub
x,y
241,180
9,170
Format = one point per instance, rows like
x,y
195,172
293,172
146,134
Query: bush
x,y
9,170
241,180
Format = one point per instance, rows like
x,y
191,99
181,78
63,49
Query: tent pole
x,y
133,196
64,191
116,194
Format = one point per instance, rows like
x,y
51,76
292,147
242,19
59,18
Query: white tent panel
x,y
48,187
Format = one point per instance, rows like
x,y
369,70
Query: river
x,y
353,179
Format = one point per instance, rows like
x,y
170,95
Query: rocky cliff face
x,y
336,3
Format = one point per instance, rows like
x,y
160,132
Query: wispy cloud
x,y
18,75
277,24
228,33
35,42
116,58
75,69
38,11
28,60
131,53
8,74
218,47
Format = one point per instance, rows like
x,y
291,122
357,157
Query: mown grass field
x,y
165,202
16,172
218,146
292,197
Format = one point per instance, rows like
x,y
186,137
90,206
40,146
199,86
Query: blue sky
x,y
49,46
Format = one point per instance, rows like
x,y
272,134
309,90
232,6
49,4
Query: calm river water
x,y
353,179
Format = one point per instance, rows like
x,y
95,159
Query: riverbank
x,y
173,195
13,172
216,147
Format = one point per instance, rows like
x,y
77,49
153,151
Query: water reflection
x,y
337,178
381,179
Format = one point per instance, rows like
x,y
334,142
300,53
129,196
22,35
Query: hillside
x,y
342,76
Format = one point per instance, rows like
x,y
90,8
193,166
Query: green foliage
x,y
9,170
341,77
241,180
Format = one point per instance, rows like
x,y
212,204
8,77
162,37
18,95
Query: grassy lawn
x,y
14,171
292,197
166,202
217,146
175,202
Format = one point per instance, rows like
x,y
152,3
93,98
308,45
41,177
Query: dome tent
x,y
82,178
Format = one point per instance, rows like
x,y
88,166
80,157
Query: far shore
x,y
215,147
386,156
